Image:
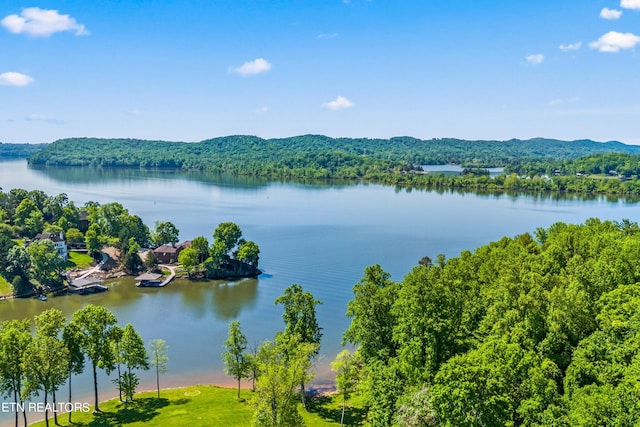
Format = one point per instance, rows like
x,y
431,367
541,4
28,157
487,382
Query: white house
x,y
58,241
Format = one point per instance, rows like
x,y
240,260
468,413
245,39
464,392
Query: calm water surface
x,y
321,236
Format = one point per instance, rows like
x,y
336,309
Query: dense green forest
x,y
19,150
539,329
311,155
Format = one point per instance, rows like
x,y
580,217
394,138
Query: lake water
x,y
321,236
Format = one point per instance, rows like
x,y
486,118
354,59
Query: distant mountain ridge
x,y
312,155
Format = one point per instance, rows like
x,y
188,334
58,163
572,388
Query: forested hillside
x,y
311,155
539,329
19,150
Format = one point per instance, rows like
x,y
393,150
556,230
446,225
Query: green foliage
x,y
249,253
188,258
158,358
228,235
95,325
235,360
347,367
372,319
15,339
310,156
275,400
165,232
508,334
46,262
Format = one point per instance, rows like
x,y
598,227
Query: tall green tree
x,y
53,372
372,320
46,262
159,358
95,325
165,232
300,319
228,234
15,339
45,366
249,252
201,245
72,339
133,355
347,369
188,258
281,371
235,360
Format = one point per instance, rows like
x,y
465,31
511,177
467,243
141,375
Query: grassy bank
x,y
195,406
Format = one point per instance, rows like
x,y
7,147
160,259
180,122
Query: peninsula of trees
x,y
29,262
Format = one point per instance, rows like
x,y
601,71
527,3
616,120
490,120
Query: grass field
x,y
78,260
196,406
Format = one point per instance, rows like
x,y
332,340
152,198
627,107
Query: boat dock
x,y
154,280
87,285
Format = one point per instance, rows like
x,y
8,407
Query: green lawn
x,y
5,287
197,406
78,260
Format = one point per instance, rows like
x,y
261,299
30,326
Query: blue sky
x,y
188,71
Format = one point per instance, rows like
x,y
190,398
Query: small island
x,y
48,244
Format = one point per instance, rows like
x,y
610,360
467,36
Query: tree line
x,y
537,330
39,363
309,156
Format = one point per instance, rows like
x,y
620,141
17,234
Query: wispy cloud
x,y
38,22
630,4
12,78
44,119
263,110
535,59
340,103
256,66
614,41
560,101
570,46
611,14
328,36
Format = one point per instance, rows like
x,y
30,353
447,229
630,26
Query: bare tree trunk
x,y
95,388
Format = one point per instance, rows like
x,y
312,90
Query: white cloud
x,y
613,41
45,119
15,79
41,23
535,59
630,4
570,46
612,14
339,103
263,110
257,66
328,36
559,101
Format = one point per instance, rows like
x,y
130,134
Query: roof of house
x,y
167,249
50,236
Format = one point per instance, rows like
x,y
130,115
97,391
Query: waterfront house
x,y
58,241
168,254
